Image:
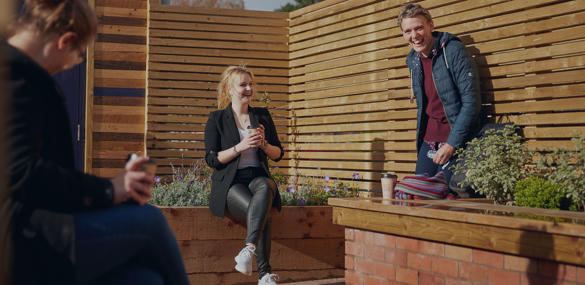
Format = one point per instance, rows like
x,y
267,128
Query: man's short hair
x,y
412,10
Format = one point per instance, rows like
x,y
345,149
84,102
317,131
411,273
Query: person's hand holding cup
x,y
256,129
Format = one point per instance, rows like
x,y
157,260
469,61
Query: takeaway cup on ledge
x,y
388,182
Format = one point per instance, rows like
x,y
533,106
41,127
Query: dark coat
x,y
457,81
45,187
221,133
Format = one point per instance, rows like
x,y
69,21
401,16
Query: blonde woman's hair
x,y
229,78
59,17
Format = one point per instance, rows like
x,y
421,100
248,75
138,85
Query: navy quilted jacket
x,y
457,83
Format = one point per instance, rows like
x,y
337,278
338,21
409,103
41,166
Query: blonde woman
x,y
70,227
238,140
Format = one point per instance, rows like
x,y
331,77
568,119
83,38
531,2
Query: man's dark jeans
x,y
127,244
425,164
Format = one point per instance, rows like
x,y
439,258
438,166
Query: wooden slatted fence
x,y
188,50
350,86
340,87
116,86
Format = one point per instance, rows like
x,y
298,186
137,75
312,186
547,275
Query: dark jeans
x,y
250,199
425,164
127,244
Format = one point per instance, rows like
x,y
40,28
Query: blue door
x,y
72,82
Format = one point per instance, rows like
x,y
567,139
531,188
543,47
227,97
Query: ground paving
x,y
334,281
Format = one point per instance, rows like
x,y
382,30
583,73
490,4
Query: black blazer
x,y
45,187
221,133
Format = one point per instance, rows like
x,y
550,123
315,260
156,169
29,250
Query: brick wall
x,y
376,258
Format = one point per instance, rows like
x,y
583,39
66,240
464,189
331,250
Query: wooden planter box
x,y
305,244
458,242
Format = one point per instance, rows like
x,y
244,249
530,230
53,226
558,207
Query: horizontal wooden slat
x,y
218,44
218,19
219,52
190,26
211,60
243,37
120,12
214,69
222,12
208,86
134,4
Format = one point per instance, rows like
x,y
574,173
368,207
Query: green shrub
x,y
537,192
567,168
493,164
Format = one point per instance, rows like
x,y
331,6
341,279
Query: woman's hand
x,y
252,139
261,132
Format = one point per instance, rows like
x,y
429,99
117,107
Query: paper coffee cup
x,y
150,167
252,128
388,182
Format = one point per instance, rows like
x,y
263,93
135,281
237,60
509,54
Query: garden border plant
x,y
501,167
191,186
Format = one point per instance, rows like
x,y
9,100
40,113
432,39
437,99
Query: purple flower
x,y
290,189
334,192
326,178
157,179
345,189
277,185
191,182
356,176
302,202
209,178
327,189
179,178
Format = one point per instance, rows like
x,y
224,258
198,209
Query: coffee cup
x,y
388,182
148,166
252,129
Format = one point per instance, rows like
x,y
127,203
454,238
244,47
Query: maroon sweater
x,y
437,126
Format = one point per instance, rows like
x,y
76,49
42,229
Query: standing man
x,y
446,86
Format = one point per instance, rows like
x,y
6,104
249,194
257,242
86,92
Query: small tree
x,y
288,7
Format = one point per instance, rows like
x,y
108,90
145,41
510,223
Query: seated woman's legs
x,y
112,239
263,191
252,204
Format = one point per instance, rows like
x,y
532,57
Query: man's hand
x,y
443,154
133,183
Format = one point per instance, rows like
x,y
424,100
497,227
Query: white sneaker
x,y
268,279
244,260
